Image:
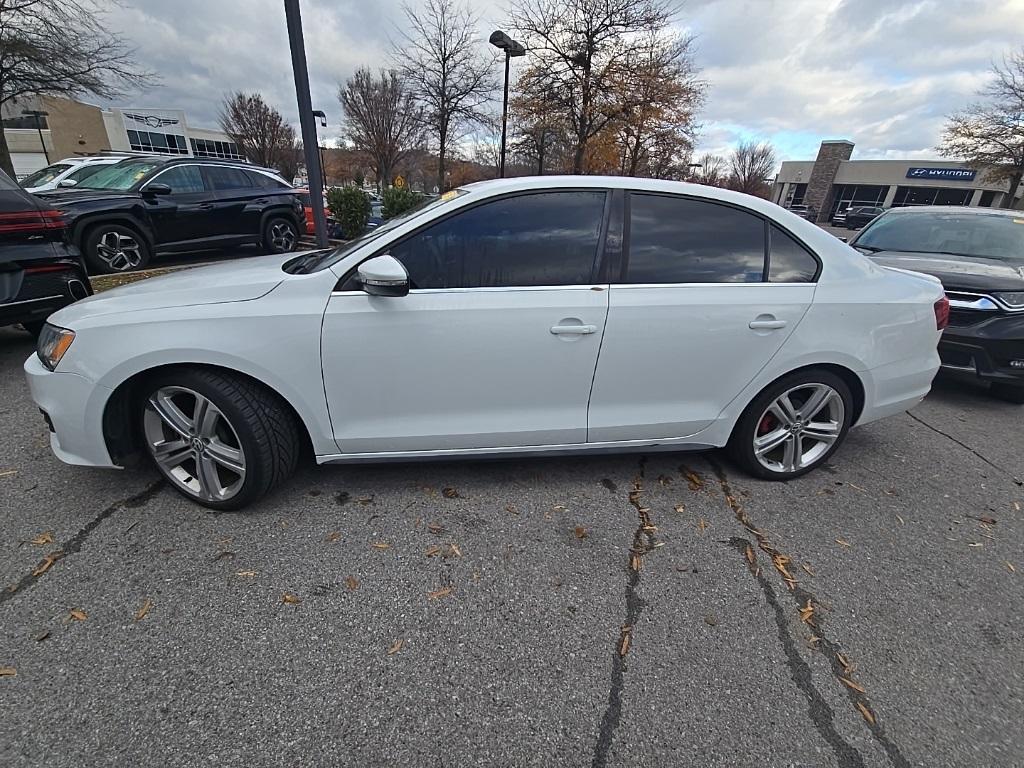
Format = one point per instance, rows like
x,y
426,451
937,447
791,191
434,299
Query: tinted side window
x,y
790,262
676,240
227,178
548,238
263,181
182,179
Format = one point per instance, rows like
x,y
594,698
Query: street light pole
x,y
309,137
511,48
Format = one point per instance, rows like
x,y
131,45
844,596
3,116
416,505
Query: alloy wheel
x,y
119,251
282,236
194,444
799,427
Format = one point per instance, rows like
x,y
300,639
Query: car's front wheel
x,y
221,440
113,248
793,426
280,235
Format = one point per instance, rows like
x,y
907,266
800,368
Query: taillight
x,y
941,313
29,222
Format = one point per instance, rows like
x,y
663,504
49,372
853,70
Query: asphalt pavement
x,y
659,610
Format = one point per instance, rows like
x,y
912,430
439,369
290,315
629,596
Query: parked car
x,y
978,254
839,217
545,315
67,173
307,206
861,215
376,215
125,213
39,272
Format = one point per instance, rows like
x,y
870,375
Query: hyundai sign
x,y
945,174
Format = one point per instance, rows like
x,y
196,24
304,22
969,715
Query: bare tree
x,y
989,135
586,51
381,119
260,131
709,169
440,59
61,48
538,137
751,167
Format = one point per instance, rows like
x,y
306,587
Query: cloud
x,y
880,73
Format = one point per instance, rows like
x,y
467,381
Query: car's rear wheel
x,y
793,426
114,248
221,440
280,235
1011,393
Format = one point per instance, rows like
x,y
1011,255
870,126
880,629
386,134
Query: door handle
x,y
766,325
206,206
560,330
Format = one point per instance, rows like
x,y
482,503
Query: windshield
x,y
983,236
327,258
45,175
123,175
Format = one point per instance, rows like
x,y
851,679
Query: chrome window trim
x,y
586,287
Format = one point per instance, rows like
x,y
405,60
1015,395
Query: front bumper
x,y
987,348
73,409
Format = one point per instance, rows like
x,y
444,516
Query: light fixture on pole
x,y
511,48
322,117
39,114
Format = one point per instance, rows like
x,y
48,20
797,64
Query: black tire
x,y
280,234
741,443
266,431
96,245
1011,393
35,327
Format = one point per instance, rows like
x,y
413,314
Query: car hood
x,y
957,272
229,281
63,197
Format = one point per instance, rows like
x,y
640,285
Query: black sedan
x,y
861,216
978,254
39,272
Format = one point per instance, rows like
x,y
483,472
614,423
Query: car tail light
x,y
30,222
941,313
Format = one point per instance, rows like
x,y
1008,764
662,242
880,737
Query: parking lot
x,y
604,611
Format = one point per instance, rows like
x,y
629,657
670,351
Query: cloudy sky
x,y
882,73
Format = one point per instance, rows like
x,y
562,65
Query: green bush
x,y
398,200
350,206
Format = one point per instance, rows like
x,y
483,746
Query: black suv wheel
x,y
113,248
280,235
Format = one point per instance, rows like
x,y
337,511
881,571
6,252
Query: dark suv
x,y
978,254
125,213
39,272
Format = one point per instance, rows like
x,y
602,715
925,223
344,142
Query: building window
x,y
225,150
162,143
855,195
906,196
795,195
988,197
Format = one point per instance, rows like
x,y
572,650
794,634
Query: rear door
x,y
695,312
234,193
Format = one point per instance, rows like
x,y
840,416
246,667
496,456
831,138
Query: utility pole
x,y
309,137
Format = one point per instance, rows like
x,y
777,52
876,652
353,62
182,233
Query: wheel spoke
x,y
790,455
819,398
768,443
822,431
209,481
171,414
172,453
783,410
205,417
226,456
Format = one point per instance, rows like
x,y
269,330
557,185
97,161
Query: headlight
x,y
1015,299
53,343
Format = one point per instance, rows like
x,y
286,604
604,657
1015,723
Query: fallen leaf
x,y
380,545
635,561
433,551
902,521
396,646
807,569
365,500
807,613
679,508
813,641
43,538
435,528
866,713
334,536
559,508
1010,568
47,562
290,599
450,493
581,532
511,510
437,594
8,672
987,520
625,639
695,481
702,524
749,553
78,614
843,542
451,550
975,544
847,667
8,472
42,635
664,480
1016,505
352,582
246,574
710,620
146,607
428,490
850,684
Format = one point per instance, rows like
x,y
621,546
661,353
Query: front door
x,y
496,343
185,215
697,312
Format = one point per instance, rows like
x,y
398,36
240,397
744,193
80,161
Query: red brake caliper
x,y
767,424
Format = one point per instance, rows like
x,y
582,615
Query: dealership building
x,y
70,128
833,181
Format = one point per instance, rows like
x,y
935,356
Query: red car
x,y
308,207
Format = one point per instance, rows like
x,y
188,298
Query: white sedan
x,y
525,316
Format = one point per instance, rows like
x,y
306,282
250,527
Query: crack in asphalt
x,y
821,714
966,447
74,544
643,542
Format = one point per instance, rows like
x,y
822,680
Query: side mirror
x,y
384,276
843,238
156,189
67,183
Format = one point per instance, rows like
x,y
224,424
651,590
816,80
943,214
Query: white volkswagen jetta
x,y
524,316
